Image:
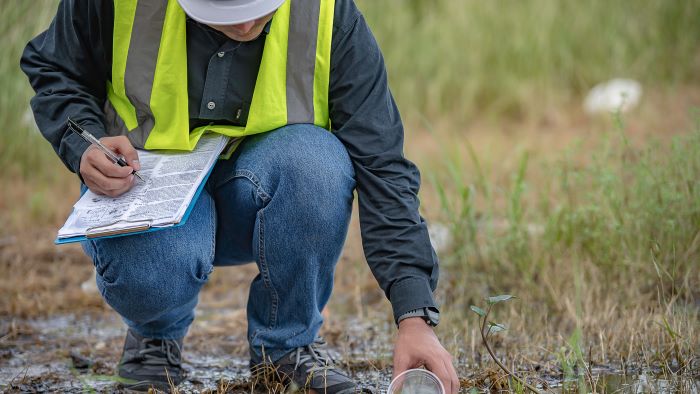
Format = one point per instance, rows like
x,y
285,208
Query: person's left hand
x,y
416,346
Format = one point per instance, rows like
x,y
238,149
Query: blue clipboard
x,y
139,227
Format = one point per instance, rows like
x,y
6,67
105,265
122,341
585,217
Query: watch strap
x,y
430,316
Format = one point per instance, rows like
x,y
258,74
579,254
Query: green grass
x,y
607,241
459,60
22,149
629,208
525,58
604,244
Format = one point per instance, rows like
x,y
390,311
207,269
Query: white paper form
x,y
171,181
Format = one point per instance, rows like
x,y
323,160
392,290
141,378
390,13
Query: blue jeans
x,y
284,201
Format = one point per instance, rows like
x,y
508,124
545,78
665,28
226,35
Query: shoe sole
x,y
144,386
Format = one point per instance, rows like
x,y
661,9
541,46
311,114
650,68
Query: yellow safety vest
x,y
147,96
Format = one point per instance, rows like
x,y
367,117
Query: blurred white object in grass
x,y
439,236
612,96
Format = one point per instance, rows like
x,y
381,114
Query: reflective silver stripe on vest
x,y
301,60
141,64
143,55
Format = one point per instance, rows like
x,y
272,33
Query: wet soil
x,y
57,335
71,353
78,353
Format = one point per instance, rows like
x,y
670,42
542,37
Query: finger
x,y
113,186
94,188
454,379
107,185
121,190
401,363
104,165
88,172
435,365
101,183
122,146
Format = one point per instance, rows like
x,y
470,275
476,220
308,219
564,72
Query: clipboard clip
x,y
108,230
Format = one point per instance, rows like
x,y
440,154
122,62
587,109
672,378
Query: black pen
x,y
94,141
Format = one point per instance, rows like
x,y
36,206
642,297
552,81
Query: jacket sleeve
x,y
68,66
365,118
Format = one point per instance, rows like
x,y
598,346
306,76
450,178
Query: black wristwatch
x,y
430,315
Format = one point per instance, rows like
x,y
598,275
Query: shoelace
x,y
157,351
315,354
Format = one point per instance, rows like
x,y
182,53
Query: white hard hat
x,y
228,12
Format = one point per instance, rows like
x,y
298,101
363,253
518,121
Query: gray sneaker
x,y
148,362
306,367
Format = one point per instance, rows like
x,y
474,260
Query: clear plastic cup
x,y
416,381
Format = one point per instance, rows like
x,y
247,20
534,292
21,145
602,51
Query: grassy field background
x,y
593,221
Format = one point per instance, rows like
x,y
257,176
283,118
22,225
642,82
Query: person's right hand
x,y
417,345
101,175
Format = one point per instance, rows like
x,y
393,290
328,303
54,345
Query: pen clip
x,y
75,127
90,139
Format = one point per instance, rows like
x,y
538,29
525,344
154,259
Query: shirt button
x,y
220,54
211,105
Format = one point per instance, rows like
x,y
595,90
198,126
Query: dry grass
x,y
571,305
37,278
589,296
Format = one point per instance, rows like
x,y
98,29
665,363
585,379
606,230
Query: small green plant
x,y
489,327
577,371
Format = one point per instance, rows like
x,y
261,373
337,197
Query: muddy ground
x,y
57,335
78,352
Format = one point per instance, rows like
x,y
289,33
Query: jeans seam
x,y
250,176
212,226
103,290
266,272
